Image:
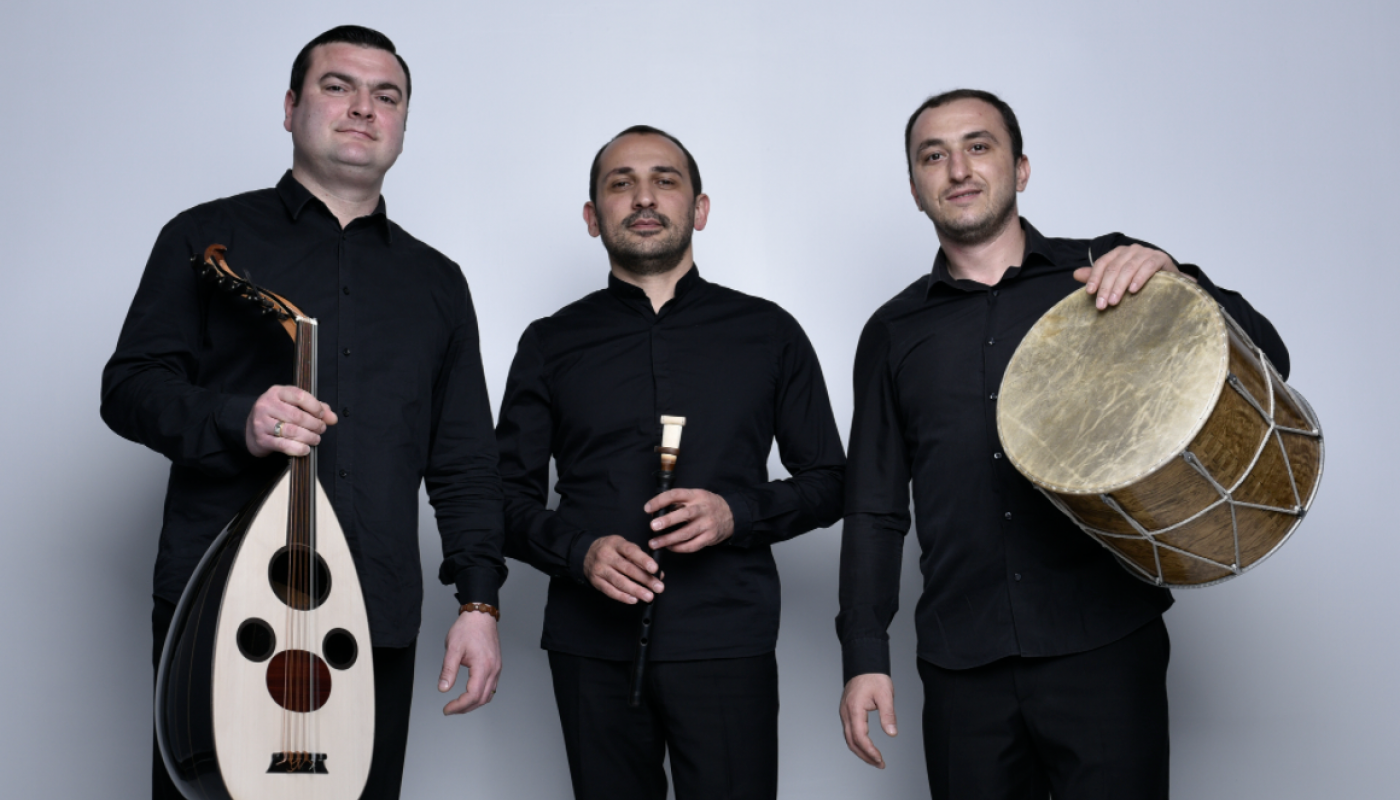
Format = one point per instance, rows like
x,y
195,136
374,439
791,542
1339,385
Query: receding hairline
x,y
662,168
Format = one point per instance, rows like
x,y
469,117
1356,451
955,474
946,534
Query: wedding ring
x,y
277,429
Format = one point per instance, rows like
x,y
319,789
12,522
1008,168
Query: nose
x,y
644,197
362,105
958,166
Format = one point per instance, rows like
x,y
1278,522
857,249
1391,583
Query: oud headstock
x,y
213,267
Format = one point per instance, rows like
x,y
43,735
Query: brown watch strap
x,y
482,607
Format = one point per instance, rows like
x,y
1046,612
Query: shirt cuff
x,y
743,518
232,422
861,656
479,585
578,551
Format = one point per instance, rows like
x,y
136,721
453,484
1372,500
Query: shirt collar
x,y
297,197
1037,252
687,283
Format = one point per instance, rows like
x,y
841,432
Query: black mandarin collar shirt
x,y
1005,573
588,387
399,361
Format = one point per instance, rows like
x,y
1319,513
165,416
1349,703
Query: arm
x,y
872,545
151,387
465,491
1130,264
810,448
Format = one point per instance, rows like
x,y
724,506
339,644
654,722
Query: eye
x,y
979,147
335,88
935,156
389,99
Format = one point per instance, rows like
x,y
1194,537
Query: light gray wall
x,y
1257,139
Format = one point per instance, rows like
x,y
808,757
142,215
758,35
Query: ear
x,y
288,102
1023,173
590,216
702,211
919,204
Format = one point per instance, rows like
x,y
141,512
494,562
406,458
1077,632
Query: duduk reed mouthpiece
x,y
671,428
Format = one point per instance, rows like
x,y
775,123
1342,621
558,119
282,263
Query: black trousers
x,y
1086,725
717,718
393,699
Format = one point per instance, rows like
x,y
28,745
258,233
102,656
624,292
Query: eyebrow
x,y
378,87
630,171
967,137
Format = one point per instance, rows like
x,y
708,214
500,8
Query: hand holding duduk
x,y
625,572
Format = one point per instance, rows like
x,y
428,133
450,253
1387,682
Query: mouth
x,y
357,133
645,222
961,196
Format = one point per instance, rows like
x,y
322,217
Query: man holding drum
x,y
1043,661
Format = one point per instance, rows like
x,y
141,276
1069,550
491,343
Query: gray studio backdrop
x,y
1254,138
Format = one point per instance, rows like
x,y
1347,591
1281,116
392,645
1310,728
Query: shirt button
x,y
1008,515
996,292
1018,576
991,342
992,396
345,289
344,473
345,412
996,456
346,351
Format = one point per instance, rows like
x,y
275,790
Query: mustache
x,y
646,213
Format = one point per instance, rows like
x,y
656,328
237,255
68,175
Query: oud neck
x,y
302,527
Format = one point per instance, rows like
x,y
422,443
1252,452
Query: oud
x,y
265,689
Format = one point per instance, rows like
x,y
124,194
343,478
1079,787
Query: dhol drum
x,y
1162,431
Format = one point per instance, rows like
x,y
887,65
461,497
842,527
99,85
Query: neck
x,y
659,288
986,261
348,198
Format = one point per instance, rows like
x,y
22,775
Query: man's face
x,y
964,175
647,208
349,119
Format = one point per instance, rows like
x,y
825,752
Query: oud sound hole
x,y
256,641
299,577
298,680
340,649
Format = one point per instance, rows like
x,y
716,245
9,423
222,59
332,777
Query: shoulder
x,y
735,303
226,212
909,299
420,256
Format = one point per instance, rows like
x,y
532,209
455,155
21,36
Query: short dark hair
x,y
1008,117
598,157
349,34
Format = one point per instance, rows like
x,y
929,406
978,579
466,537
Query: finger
x,y
681,515
1135,273
666,498
1108,269
296,415
636,555
704,537
627,586
303,400
685,533
887,720
1096,269
1082,274
858,737
633,573
1113,288
450,662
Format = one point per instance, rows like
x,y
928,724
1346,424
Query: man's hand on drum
x,y
1123,270
286,419
621,570
704,520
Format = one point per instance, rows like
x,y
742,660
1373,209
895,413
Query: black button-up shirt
x,y
399,361
588,386
1005,573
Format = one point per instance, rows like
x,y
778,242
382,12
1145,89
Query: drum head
x,y
1096,400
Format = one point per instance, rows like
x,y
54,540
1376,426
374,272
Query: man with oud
x,y
1043,660
588,387
401,400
